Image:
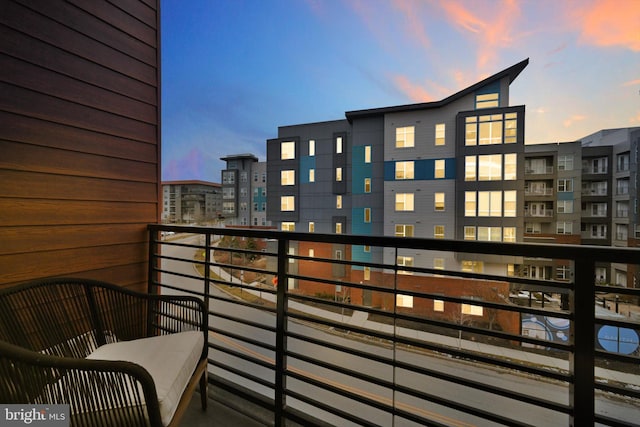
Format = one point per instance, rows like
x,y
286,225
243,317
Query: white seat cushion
x,y
170,359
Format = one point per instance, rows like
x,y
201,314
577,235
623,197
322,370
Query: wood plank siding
x,y
79,138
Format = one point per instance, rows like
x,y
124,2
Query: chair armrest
x,y
99,390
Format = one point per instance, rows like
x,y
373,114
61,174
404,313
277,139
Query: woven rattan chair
x,y
54,332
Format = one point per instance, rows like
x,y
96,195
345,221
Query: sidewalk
x,y
360,319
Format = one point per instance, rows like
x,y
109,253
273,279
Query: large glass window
x,y
565,163
565,185
509,234
565,206
510,128
404,202
490,234
287,150
404,261
287,203
288,226
288,177
489,203
490,167
405,137
440,133
405,170
490,130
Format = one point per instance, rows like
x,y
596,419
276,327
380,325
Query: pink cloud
x,y
415,92
192,165
573,119
610,23
415,27
631,83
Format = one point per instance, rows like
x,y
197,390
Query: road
x,y
489,375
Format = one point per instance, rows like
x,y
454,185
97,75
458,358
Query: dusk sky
x,y
235,70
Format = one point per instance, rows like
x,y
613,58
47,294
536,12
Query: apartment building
x,y
244,191
446,169
191,201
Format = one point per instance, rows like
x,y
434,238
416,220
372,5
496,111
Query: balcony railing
x,y
330,328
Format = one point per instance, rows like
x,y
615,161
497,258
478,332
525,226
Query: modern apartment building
x,y
445,169
191,201
244,191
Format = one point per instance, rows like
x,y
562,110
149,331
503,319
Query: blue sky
x,y
235,70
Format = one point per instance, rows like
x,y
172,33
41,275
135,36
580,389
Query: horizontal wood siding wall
x,y
79,138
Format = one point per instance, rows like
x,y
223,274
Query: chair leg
x,y
204,382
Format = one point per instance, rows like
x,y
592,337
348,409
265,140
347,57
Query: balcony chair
x,y
116,357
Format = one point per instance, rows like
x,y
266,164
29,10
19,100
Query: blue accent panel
x,y
490,88
306,163
565,195
424,170
359,170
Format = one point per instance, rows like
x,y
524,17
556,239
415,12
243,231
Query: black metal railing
x,y
355,330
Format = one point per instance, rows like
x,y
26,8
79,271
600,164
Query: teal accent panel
x,y
490,88
359,170
359,227
306,163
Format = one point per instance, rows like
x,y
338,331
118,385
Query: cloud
x,y
195,164
610,23
631,83
415,92
491,25
573,119
415,26
634,121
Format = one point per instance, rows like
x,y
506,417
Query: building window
x,y
565,163
367,248
339,145
312,175
622,186
510,167
367,214
288,177
563,272
339,201
405,137
439,169
287,203
599,231
312,147
565,206
367,154
472,310
509,234
404,202
367,185
404,301
532,227
312,227
438,202
469,233
338,174
264,177
438,263
510,204
405,170
489,203
288,226
367,273
565,185
510,128
440,131
228,177
471,131
472,266
438,305
490,234
438,231
490,167
623,162
470,203
243,176
404,230
564,227
487,100
404,261
470,168
338,228
312,253
490,130
287,150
